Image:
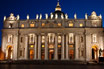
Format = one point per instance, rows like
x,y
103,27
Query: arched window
x,y
10,37
31,38
71,38
10,25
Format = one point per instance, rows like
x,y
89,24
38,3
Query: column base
x,y
46,59
55,59
67,59
62,59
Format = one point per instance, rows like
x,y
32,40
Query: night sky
x,y
33,7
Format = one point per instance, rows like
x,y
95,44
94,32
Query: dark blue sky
x,y
33,7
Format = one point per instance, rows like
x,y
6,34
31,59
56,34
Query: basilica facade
x,y
57,37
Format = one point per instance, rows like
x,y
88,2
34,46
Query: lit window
x,y
81,25
59,24
22,25
31,38
43,24
32,46
59,39
51,46
59,46
71,25
94,38
71,38
70,46
43,46
51,38
43,39
32,25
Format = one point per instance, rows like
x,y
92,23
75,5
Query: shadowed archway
x,y
9,52
94,52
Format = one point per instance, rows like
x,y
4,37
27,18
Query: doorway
x,y
31,54
71,54
94,53
51,52
9,52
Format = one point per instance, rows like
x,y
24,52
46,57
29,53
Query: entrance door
x,y
51,54
43,56
94,53
71,54
31,54
9,52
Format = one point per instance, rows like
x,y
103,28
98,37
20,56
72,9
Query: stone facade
x,y
55,38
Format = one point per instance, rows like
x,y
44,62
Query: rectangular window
x,y
22,25
81,25
43,24
71,38
94,37
70,24
59,39
59,24
10,37
31,38
10,25
43,39
32,25
31,46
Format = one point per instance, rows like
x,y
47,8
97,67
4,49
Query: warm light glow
x,y
59,46
31,54
51,46
95,47
59,24
81,25
51,50
43,24
9,52
22,25
71,46
58,9
43,39
32,25
59,39
43,46
32,46
71,25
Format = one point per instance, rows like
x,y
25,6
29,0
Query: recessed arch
x,y
9,52
95,52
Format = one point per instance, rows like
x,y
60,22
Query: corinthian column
x,y
35,56
56,48
46,48
67,48
62,48
26,47
39,47
76,46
